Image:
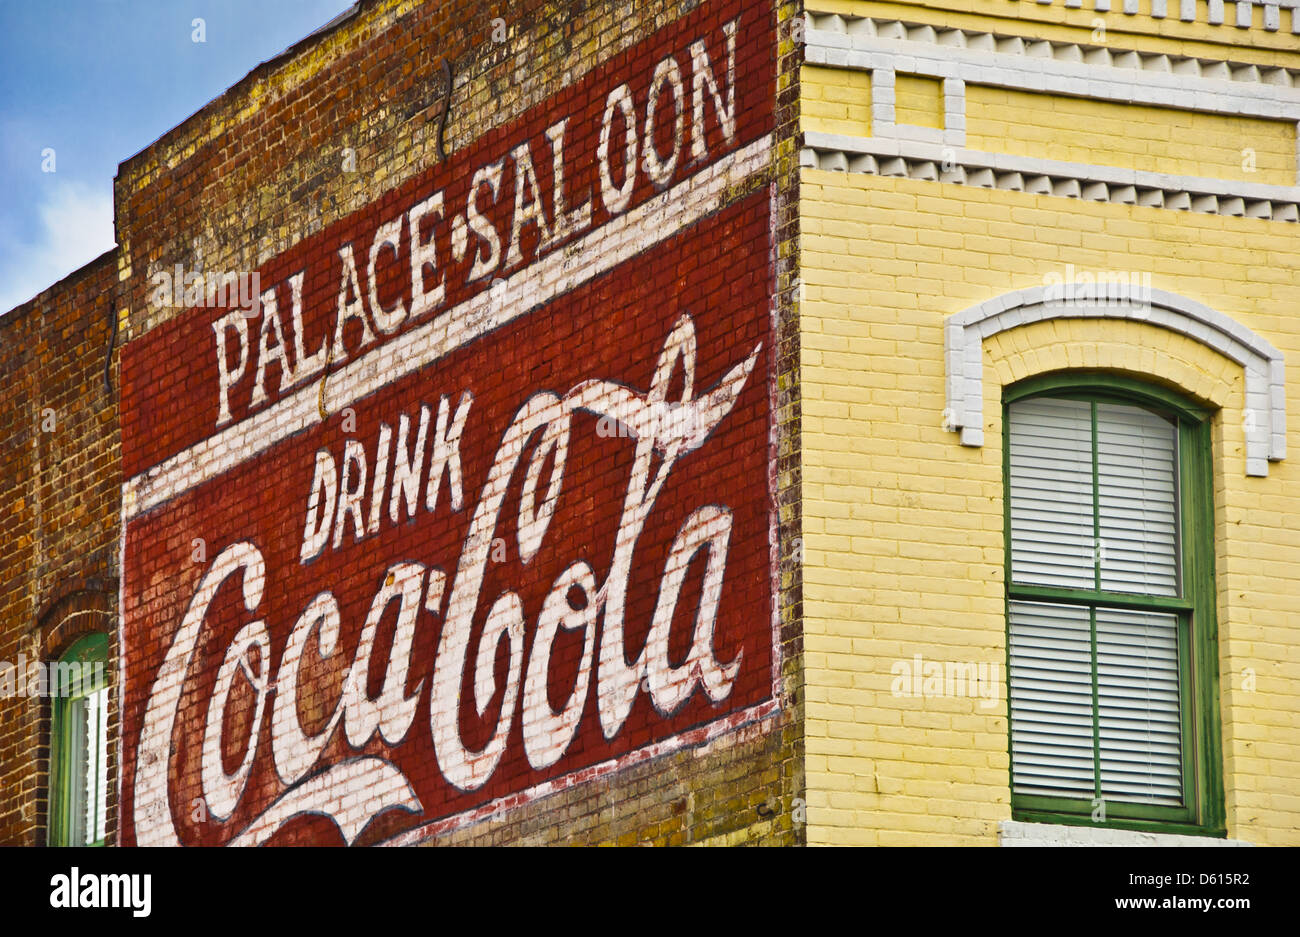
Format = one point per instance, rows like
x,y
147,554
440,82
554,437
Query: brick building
x,y
720,422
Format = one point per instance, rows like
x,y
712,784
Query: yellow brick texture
x,y
918,101
835,100
904,526
1130,136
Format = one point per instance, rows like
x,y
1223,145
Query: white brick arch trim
x,y
965,332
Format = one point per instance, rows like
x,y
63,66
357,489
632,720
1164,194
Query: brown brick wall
x,y
60,489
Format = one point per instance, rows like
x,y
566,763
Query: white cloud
x,y
75,226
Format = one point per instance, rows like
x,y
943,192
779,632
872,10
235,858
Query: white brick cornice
x,y
1099,72
1094,72
1212,13
919,159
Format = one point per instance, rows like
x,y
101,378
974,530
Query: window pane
x,y
1137,689
86,777
1051,700
96,766
1137,470
76,772
78,794
1051,493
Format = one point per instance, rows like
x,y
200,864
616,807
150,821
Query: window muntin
x,y
1111,659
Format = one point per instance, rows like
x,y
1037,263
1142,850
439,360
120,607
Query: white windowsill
x,y
1016,833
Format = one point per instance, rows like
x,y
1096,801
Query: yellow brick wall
x,y
918,101
903,526
835,100
1129,136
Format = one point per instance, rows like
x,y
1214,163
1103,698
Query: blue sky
x,y
96,81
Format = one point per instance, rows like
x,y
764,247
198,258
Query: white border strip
x,y
559,272
884,99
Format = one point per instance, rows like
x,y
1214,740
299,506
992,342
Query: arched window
x,y
1111,637
78,688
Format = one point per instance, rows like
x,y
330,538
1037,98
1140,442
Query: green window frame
x,y
78,795
1192,604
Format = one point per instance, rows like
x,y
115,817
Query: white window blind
x,y
97,777
88,781
1051,493
1138,501
1138,706
1051,699
78,770
1093,503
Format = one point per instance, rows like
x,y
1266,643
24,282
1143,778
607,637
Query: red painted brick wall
x,y
598,305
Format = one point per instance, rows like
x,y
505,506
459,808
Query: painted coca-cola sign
x,y
476,502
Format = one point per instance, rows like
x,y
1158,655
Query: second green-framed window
x,y
78,688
